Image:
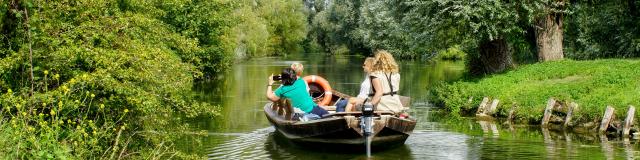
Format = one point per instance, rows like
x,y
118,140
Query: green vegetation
x,y
496,35
453,53
112,79
268,27
591,84
603,29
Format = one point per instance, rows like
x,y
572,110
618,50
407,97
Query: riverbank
x,y
591,84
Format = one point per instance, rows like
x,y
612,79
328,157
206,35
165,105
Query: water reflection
x,y
426,144
246,146
489,128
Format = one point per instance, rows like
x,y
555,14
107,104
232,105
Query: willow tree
x,y
286,24
547,23
486,24
335,26
381,27
491,26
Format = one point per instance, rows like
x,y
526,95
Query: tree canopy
x,y
419,28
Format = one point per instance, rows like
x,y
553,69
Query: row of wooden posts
x,y
485,110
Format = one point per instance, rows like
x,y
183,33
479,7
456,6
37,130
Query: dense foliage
x,y
598,29
268,27
418,28
605,82
103,79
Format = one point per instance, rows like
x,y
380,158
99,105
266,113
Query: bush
x,y
452,53
107,80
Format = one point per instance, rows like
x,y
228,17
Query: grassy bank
x,y
592,84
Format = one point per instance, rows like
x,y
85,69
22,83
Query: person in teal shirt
x,y
295,89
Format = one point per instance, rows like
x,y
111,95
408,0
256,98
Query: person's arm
x,y
377,86
270,95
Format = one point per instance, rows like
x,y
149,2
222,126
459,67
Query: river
x,y
241,131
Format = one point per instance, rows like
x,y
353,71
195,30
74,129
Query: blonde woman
x,y
365,87
385,81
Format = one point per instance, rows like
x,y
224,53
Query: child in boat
x,y
365,86
294,89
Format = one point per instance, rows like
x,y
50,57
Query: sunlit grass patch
x,y
592,84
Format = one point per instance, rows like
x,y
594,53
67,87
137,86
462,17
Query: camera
x,y
277,77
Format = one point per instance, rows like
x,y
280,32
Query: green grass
x,y
592,84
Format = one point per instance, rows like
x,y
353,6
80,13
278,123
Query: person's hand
x,y
357,103
271,79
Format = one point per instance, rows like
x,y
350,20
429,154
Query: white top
x,y
365,87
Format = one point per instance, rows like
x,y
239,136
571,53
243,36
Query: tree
x,y
381,27
484,25
548,27
335,26
287,24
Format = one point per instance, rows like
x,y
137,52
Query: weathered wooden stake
x,y
548,111
493,107
482,106
628,121
567,120
606,119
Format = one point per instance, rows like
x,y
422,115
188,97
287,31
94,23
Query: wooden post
x,y
628,121
548,111
483,105
493,107
606,119
572,107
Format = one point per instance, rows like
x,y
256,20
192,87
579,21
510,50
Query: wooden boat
x,y
340,129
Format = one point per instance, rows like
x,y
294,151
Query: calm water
x,y
242,131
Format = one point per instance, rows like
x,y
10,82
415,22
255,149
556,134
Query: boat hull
x,y
341,131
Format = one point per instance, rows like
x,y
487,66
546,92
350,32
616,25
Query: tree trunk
x,y
495,56
548,32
